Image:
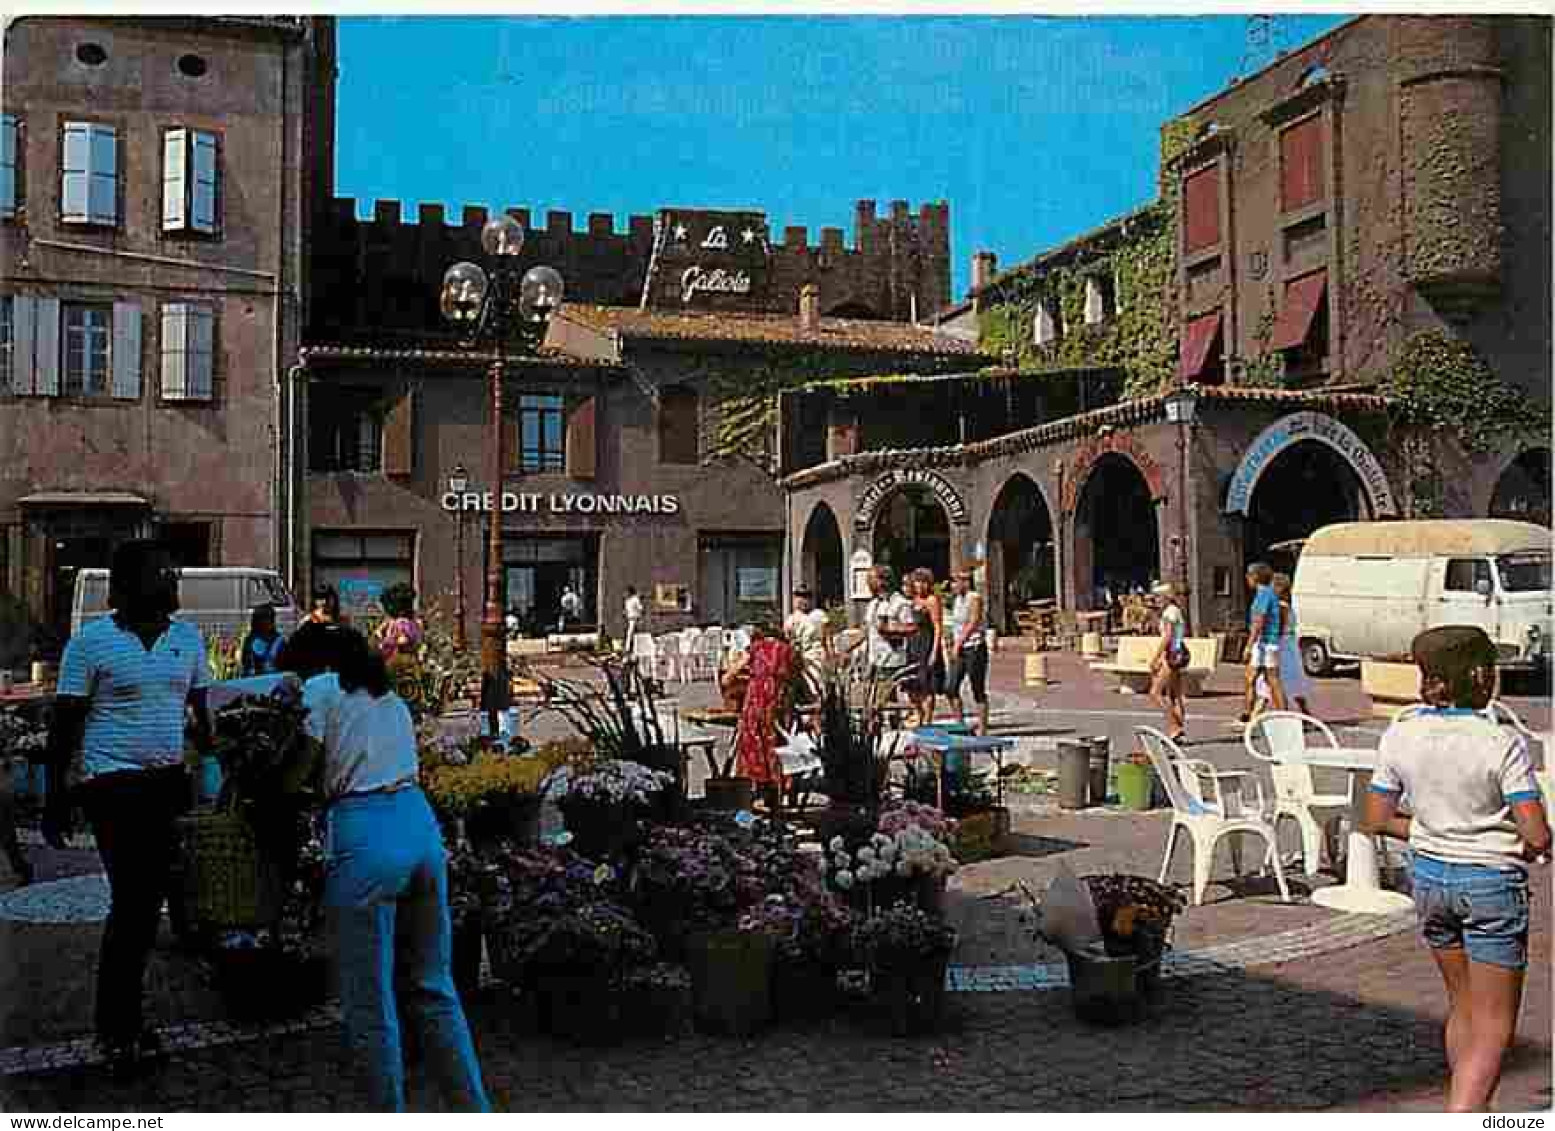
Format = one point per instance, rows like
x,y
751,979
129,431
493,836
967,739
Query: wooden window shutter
x,y
679,426
201,355
1301,164
24,321
125,351
45,374
399,433
175,190
175,371
1201,209
582,458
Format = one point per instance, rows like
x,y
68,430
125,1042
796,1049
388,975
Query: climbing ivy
x,y
1440,382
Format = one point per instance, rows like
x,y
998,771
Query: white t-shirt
x,y
634,607
136,697
1460,773
369,744
807,631
1172,615
885,652
571,603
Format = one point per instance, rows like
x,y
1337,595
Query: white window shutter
x,y
8,148
104,191
24,320
200,358
125,352
75,172
1117,291
175,337
174,173
45,380
202,182
1042,331
1094,312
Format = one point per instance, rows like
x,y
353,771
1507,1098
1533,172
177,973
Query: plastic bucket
x,y
1074,767
1134,786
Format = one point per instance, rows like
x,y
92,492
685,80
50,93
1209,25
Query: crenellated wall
x,y
379,277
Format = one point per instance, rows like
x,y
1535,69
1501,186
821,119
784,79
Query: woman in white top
x,y
1171,657
966,649
386,888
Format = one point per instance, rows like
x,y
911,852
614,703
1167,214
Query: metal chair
x,y
1207,819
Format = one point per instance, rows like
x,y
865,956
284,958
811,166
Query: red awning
x,y
1303,299
1203,333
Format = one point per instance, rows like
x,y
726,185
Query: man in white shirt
x,y
572,608
888,622
806,630
634,616
125,683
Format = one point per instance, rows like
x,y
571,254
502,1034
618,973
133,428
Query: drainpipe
x,y
294,379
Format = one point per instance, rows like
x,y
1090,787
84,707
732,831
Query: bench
x,y
1131,666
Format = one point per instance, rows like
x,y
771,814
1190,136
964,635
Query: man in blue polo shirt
x,y
125,683
1262,655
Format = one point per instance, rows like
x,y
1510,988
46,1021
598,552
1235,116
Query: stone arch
x,y
1022,557
823,565
1115,542
910,518
1294,429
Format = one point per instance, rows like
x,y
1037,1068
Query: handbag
x,y
1178,657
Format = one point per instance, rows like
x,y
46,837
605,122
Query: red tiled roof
x,y
1129,412
771,329
440,356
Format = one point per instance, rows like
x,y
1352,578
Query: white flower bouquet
x,y
612,781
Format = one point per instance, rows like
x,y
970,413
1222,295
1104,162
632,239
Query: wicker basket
x,y
228,882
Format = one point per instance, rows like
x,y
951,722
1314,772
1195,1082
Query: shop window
x,y
1201,209
89,175
88,334
1301,163
345,429
542,433
189,181
188,351
360,565
679,425
10,166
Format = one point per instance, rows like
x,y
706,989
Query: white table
x,y
1362,889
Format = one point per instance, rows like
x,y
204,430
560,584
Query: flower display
x,y
456,789
910,852
261,744
20,737
912,814
612,781
1135,913
902,936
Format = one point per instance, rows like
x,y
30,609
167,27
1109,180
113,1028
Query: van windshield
x,y
1524,573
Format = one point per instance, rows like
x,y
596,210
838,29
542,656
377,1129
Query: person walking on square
x,y
925,648
572,609
771,665
966,649
262,646
1293,677
386,885
633,608
125,684
806,630
888,623
1476,819
1171,657
1262,654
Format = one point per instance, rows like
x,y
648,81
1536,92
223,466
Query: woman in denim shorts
x,y
1475,820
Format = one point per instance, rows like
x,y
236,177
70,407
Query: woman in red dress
x,y
772,665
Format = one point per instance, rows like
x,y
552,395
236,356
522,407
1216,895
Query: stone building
x,y
153,212
1328,231
639,438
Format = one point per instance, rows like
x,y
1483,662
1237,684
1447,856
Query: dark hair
x,y
631,590
399,600
128,565
1451,658
327,594
312,649
1260,572
262,611
359,666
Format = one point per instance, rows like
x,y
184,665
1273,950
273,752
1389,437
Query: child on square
x,y
1476,819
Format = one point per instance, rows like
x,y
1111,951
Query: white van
x,y
1367,589
218,601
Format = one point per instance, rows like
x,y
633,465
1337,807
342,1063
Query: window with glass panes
x,y
88,332
542,432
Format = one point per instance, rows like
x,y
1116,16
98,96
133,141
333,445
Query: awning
x,y
83,499
1198,342
1303,299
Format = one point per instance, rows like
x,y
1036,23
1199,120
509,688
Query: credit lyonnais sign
x,y
888,484
514,502
1295,428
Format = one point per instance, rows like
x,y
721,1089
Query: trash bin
x,y
1134,782
1100,751
1074,766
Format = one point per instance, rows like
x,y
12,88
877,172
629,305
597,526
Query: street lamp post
x,y
1182,410
458,482
492,310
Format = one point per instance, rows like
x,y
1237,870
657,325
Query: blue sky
x,y
1033,128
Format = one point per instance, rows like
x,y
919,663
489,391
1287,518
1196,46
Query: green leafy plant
x,y
1440,382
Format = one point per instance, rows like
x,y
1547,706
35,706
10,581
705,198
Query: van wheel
x,y
1314,658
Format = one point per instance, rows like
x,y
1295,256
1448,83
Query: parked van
x,y
217,601
1367,589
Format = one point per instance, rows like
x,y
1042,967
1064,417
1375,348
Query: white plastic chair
x,y
687,645
1206,820
710,654
645,654
1279,738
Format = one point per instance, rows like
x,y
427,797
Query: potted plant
x,y
495,796
907,857
686,881
815,943
579,961
522,889
604,803
907,950
466,872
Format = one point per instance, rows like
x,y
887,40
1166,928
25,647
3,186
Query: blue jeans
x,y
386,895
1473,907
